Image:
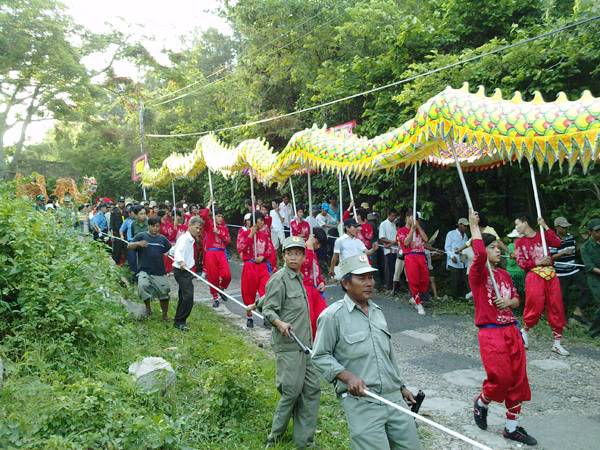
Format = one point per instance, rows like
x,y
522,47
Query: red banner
x,y
345,128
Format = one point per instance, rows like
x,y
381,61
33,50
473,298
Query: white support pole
x,y
415,196
310,205
141,123
174,204
538,209
351,196
293,197
340,206
470,204
212,198
252,199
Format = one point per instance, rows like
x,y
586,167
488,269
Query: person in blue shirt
x,y
127,234
98,222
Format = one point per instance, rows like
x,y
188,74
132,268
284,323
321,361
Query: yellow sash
x,y
545,272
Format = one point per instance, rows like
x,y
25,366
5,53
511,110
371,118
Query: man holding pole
x,y
542,287
353,350
500,344
285,306
215,240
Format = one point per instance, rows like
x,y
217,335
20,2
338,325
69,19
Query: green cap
x,y
594,224
356,265
293,241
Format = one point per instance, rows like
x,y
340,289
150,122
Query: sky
x,y
158,24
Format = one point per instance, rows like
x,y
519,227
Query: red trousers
x,y
417,275
217,270
539,295
503,356
254,280
316,305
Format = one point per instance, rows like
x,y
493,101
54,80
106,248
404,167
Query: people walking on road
x,y
500,343
285,306
542,288
353,350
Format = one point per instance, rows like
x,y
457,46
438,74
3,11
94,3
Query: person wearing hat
x,y
349,245
542,288
500,343
456,239
569,275
40,203
118,216
255,249
285,306
215,239
412,239
590,254
513,269
299,226
353,350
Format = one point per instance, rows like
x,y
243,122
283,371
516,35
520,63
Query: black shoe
x,y
249,323
216,303
223,297
519,435
480,415
182,327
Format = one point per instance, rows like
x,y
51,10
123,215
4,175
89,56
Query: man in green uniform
x,y
285,306
353,350
590,254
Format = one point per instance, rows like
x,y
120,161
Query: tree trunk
x,y
32,109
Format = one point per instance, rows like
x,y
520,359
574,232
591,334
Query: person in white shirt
x,y
349,245
387,236
455,240
286,212
183,255
277,232
312,219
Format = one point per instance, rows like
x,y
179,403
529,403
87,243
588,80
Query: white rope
x,y
387,86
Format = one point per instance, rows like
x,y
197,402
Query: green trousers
x,y
378,426
297,381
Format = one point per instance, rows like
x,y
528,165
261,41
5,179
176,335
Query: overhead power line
x,y
216,72
387,86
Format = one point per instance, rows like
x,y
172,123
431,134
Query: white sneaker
x,y
558,348
421,310
469,296
412,301
525,338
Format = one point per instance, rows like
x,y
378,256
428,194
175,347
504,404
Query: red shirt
x,y
366,234
245,244
486,312
220,239
417,244
168,230
311,272
268,221
529,250
301,229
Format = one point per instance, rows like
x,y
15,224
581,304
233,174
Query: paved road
x,y
439,354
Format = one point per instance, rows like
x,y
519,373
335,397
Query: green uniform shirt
x,y
137,227
347,339
590,255
285,299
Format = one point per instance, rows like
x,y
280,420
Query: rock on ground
x,y
153,374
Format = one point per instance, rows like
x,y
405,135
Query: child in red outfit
x,y
215,241
542,286
257,268
313,282
500,344
299,226
412,239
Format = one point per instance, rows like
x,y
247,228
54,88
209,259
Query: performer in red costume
x,y
257,268
500,344
313,282
542,286
214,243
412,239
168,230
268,222
299,226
